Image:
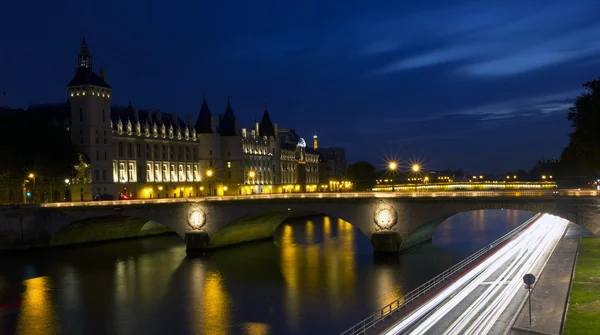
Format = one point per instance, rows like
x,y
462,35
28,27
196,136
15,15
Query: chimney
x,y
188,119
103,73
276,126
244,132
149,116
213,124
136,114
256,127
253,133
158,117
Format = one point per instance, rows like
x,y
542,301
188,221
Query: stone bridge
x,y
391,223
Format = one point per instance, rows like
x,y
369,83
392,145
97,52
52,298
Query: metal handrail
x,y
387,310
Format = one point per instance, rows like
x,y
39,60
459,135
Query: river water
x,y
319,277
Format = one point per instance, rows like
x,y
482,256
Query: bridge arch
x,y
106,228
263,225
421,230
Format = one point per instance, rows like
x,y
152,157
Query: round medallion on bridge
x,y
197,219
386,217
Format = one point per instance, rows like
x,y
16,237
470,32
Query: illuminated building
x,y
150,154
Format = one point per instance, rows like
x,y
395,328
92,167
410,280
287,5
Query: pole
x,y
529,289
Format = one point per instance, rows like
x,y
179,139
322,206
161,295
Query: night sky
x,y
478,85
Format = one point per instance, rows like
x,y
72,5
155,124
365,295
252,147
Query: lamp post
x,y
32,176
209,174
392,166
251,175
68,190
416,168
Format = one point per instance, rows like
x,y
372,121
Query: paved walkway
x,y
550,293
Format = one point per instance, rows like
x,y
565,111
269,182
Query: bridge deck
x,y
365,195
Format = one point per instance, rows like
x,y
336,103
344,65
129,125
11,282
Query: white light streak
x,y
518,257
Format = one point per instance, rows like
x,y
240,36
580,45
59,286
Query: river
x,y
319,277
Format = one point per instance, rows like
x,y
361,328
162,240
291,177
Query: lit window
x,y
181,174
149,173
131,172
229,164
122,175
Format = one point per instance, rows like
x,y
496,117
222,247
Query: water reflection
x,y
318,277
37,315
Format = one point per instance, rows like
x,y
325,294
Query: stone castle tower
x,y
90,98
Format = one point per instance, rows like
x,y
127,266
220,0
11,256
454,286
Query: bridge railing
x,y
412,296
364,195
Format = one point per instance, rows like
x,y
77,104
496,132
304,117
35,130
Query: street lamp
x,y
393,166
251,175
416,168
209,174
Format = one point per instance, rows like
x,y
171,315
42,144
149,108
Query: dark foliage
x,y
34,143
362,174
582,155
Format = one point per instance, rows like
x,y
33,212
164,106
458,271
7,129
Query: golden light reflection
x,y
214,308
326,227
347,266
289,269
324,270
37,316
310,232
255,328
389,291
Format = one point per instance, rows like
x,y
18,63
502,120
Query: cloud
x,y
492,40
523,108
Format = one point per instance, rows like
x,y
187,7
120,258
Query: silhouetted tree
x,y
582,155
362,174
543,167
31,142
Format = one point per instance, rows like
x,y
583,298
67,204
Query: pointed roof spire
x,y
227,126
266,126
84,57
204,122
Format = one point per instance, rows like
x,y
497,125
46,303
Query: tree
x,y
34,143
582,155
362,174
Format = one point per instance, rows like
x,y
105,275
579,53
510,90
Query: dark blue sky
x,y
481,85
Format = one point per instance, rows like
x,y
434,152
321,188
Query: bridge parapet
x,y
344,195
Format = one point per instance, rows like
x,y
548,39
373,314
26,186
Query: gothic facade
x,y
153,154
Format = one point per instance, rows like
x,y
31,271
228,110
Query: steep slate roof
x,y
127,113
204,121
266,126
86,76
227,124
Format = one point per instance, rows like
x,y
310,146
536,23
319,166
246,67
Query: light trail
x,y
500,275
